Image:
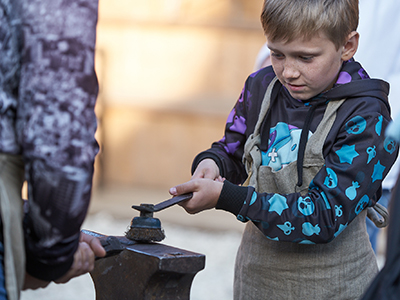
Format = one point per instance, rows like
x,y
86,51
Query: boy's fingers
x,y
177,190
173,191
183,188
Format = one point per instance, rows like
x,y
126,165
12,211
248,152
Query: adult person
x,y
48,90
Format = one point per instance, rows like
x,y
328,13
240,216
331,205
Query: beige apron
x,y
11,208
266,269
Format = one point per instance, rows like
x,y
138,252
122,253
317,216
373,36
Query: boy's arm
x,y
350,181
228,152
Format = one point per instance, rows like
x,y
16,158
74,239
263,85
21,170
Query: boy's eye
x,y
276,55
306,58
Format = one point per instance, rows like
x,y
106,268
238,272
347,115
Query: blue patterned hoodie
x,y
357,155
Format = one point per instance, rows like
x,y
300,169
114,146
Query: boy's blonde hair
x,y
285,20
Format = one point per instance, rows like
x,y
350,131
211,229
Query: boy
x,y
308,133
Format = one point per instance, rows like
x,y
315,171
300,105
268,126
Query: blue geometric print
x,y
371,153
277,204
390,145
305,206
338,211
253,198
364,201
331,179
347,154
378,126
309,229
307,242
356,125
284,140
328,206
341,228
378,171
351,192
286,228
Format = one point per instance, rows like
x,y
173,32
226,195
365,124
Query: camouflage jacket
x,y
48,90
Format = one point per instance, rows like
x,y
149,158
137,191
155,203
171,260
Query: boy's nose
x,y
290,70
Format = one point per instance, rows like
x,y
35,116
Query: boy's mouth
x,y
295,87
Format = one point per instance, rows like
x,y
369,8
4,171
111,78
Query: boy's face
x,y
306,67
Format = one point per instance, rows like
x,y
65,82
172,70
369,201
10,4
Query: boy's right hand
x,y
205,191
206,185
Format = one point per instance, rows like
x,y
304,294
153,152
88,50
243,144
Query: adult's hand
x,y
89,247
32,283
84,257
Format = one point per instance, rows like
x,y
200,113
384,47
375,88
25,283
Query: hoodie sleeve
x,y
357,158
56,126
228,152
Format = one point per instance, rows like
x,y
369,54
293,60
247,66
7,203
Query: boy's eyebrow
x,y
272,49
298,52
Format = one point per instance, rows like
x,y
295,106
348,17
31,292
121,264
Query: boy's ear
x,y
351,46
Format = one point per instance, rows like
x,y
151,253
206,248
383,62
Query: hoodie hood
x,y
354,82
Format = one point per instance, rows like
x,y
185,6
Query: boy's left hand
x,y
205,194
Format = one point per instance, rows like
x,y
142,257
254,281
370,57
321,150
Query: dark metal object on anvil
x,y
145,271
146,228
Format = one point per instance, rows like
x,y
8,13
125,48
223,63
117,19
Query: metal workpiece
x,y
146,228
145,271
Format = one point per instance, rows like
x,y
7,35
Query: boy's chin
x,y
302,96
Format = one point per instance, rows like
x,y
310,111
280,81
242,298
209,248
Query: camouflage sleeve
x,y
55,126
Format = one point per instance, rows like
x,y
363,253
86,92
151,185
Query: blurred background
x,y
170,71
